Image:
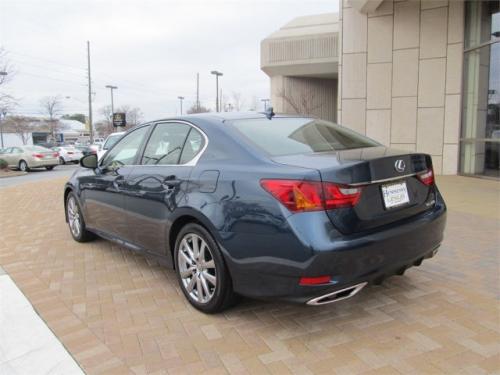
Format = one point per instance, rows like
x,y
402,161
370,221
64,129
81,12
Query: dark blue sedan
x,y
279,207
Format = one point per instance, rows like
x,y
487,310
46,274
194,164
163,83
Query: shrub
x,y
3,164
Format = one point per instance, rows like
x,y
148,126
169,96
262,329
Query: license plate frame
x,y
395,195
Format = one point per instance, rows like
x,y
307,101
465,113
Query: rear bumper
x,y
348,259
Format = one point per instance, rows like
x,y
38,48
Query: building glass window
x,y
480,135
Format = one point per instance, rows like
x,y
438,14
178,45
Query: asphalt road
x,y
39,174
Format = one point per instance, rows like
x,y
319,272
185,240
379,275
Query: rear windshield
x,y
288,136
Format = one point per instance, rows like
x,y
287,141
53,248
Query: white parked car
x,y
68,154
110,141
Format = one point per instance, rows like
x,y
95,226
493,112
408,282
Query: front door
x,y
102,189
158,186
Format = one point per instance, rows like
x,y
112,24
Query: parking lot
x,y
118,312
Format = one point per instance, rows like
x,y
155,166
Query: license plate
x,y
395,195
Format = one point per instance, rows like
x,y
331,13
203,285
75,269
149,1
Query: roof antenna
x,y
269,113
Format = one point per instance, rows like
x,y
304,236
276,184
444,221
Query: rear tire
x,y
75,220
197,273
49,168
61,160
23,166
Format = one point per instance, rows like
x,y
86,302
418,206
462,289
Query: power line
x,y
52,78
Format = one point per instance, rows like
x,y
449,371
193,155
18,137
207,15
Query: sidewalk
x,y
118,312
27,345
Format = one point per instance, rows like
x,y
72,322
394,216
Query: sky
x,y
151,50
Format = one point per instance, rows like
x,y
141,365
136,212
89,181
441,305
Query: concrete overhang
x,y
305,47
366,6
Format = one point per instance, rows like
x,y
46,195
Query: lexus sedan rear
x,y
279,207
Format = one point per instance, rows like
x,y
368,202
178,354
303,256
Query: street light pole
x,y
217,75
111,88
181,98
89,76
2,114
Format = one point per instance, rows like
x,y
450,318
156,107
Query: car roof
x,y
225,116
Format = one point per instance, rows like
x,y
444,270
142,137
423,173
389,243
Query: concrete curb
x,y
12,174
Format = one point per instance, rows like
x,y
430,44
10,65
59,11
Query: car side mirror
x,y
89,161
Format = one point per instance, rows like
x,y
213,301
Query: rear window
x,y
288,136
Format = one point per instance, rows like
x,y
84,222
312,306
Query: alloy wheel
x,y
75,224
197,268
23,166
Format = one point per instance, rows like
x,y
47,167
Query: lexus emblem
x,y
400,166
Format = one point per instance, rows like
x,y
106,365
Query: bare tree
x,y
195,109
22,126
303,103
52,108
5,66
7,102
133,115
238,101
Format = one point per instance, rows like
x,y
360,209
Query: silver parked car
x,y
26,157
68,154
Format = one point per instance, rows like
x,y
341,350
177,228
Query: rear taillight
x,y
339,196
300,196
39,156
55,154
427,178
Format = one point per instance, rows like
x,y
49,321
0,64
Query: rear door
x,y
158,186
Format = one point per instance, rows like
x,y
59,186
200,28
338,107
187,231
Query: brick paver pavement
x,y
117,312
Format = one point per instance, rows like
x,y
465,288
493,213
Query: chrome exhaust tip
x,y
338,295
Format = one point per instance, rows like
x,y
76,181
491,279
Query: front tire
x,y
75,220
49,168
23,166
201,271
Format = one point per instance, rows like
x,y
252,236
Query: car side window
x,y
17,150
165,144
192,147
125,151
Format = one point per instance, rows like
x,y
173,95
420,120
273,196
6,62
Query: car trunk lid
x,y
384,176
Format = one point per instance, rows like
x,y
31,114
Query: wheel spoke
x,y
209,264
210,278
189,250
196,249
199,289
204,285
186,258
190,286
201,256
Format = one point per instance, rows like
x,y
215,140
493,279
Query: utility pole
x,y
111,88
198,92
181,98
91,126
217,75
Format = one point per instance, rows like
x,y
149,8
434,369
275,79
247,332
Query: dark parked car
x,y
276,207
